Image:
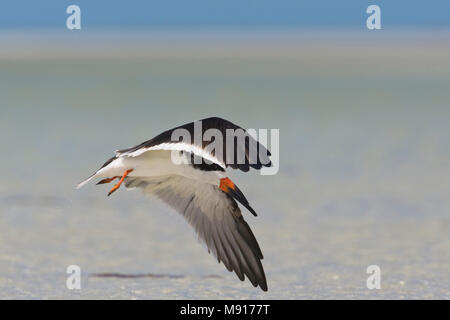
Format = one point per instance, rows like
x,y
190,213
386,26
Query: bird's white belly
x,y
156,163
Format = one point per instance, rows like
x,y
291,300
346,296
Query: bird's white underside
x,y
156,174
157,161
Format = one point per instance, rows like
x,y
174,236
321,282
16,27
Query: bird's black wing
x,y
254,154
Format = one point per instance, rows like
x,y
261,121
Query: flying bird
x,y
198,189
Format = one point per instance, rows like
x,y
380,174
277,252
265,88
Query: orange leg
x,y
127,172
108,180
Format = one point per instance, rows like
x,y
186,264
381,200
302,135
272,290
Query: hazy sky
x,y
221,13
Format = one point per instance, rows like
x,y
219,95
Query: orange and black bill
x,y
228,186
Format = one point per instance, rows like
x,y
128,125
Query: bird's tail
x,y
82,183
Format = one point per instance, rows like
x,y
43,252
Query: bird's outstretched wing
x,y
254,154
216,218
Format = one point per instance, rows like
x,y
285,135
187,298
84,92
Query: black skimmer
x,y
198,189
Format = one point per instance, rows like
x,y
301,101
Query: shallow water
x,y
364,169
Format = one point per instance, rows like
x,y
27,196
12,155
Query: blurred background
x,y
364,144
